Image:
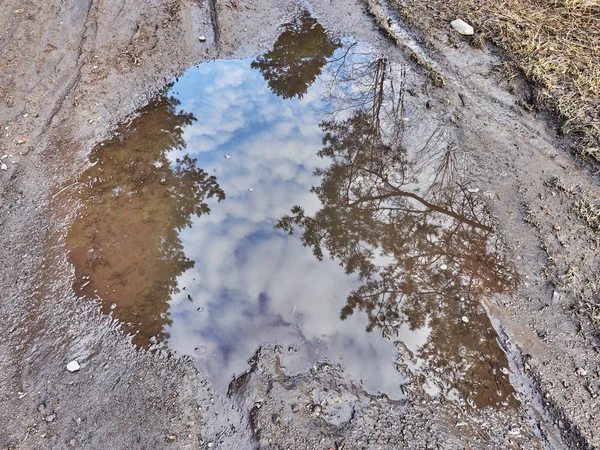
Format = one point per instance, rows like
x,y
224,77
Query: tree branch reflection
x,y
125,244
297,57
405,222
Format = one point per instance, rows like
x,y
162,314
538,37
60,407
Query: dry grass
x,y
556,43
587,211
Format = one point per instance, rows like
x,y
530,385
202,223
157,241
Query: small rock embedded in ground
x,y
172,437
462,27
202,38
73,366
22,140
465,319
50,418
4,167
317,410
581,371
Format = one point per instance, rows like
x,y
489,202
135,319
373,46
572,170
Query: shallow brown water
x,y
391,251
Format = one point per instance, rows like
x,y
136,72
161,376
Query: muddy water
x,y
295,198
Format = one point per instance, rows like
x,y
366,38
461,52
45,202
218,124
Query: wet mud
x,y
319,194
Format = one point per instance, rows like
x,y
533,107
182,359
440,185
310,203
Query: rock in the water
x,y
462,27
73,366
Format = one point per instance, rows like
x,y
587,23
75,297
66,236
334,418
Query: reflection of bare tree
x,y
125,242
297,57
415,236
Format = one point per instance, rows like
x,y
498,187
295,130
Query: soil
x,y
71,72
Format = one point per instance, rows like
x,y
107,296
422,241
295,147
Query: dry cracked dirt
x,y
71,72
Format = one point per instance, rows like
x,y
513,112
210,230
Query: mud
x,y
65,95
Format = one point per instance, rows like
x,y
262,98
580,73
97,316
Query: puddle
x,y
184,220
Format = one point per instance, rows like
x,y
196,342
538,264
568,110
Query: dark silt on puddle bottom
x,y
184,229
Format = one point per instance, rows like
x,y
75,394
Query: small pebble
x,y
202,38
73,366
317,410
462,27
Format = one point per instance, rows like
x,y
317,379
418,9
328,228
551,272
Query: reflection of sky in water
x,y
252,283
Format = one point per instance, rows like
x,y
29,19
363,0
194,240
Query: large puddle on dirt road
x,y
183,229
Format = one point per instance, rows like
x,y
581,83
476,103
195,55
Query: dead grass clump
x,y
556,43
587,211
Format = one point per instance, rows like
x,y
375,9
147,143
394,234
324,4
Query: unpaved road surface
x,y
71,71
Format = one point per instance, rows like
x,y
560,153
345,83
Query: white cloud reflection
x,y
254,283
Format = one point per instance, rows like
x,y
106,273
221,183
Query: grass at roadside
x,y
556,43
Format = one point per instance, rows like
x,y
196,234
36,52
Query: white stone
x,y
73,366
202,38
4,167
465,319
462,27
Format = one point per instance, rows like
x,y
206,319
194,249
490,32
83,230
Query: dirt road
x,y
70,72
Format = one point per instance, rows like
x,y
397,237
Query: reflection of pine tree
x,y
297,57
134,203
416,251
